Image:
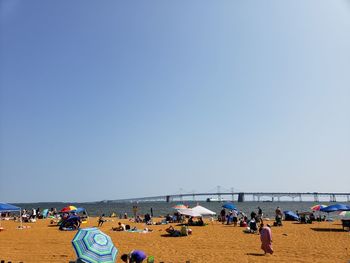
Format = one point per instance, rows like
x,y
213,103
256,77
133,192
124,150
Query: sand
x,y
319,242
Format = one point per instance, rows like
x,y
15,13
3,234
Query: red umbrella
x,y
68,209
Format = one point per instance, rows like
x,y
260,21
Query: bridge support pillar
x,y
348,198
316,197
167,198
272,199
278,198
258,198
332,198
240,197
300,199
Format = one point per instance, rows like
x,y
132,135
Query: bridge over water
x,y
245,196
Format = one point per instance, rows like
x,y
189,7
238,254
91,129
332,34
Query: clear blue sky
x,y
113,99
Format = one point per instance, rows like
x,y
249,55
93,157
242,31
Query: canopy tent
x,y
4,208
189,212
203,211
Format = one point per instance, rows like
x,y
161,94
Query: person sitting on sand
x,y
266,238
138,219
148,219
184,230
243,223
168,218
253,215
120,227
200,222
312,217
253,226
135,256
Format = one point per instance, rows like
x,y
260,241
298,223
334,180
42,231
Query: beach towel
x,y
266,240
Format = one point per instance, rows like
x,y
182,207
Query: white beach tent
x,y
203,211
189,212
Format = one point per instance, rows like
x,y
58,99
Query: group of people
x,y
241,219
253,225
69,221
184,231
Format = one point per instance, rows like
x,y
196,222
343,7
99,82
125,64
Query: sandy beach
x,y
318,242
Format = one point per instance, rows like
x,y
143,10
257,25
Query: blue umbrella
x,y
336,207
229,206
93,246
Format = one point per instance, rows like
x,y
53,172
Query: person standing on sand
x,y
223,215
101,220
260,212
266,238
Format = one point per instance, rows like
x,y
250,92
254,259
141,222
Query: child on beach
x,y
101,220
266,238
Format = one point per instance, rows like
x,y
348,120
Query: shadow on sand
x,y
168,235
256,254
328,229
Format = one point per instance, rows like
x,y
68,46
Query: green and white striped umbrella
x,y
93,246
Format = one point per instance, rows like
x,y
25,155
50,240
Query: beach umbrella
x,y
345,213
180,206
203,211
93,246
229,206
317,207
68,209
336,207
189,212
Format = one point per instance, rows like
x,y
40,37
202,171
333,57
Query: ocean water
x,y
163,208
